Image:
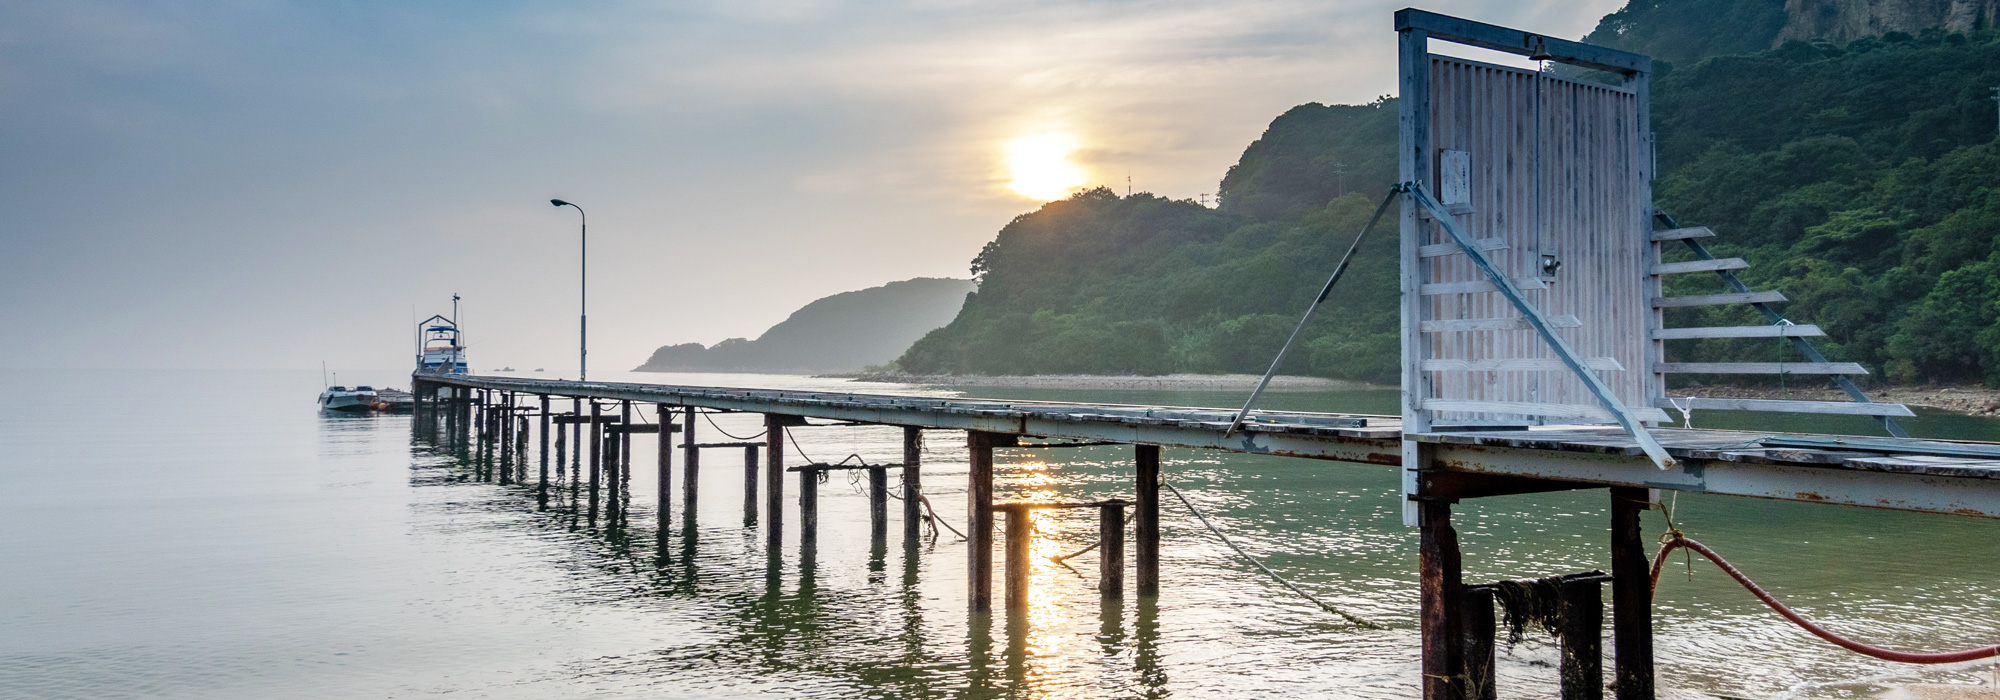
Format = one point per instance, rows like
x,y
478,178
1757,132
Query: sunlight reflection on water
x,y
225,540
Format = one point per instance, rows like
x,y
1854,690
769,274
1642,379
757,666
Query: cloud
x,y
335,163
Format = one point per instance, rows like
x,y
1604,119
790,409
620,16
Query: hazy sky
x,y
262,183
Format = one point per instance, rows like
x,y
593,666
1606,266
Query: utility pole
x,y
1128,179
1996,105
1340,179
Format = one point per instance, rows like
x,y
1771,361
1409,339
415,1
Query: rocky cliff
x,y
1841,20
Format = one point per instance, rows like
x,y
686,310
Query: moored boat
x,y
349,399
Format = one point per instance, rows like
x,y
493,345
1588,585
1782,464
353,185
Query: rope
x,y
1687,412
1675,539
718,428
931,515
1260,565
1060,558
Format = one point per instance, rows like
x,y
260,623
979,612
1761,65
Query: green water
x,y
210,535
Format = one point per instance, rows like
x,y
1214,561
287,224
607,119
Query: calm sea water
x,y
212,535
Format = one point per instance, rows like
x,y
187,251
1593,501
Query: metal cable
x,y
725,433
1350,617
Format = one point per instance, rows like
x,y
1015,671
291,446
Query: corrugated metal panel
x,y
1556,168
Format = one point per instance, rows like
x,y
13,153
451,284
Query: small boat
x,y
353,400
439,349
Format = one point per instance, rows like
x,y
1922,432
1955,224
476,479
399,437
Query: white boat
x,y
354,399
439,350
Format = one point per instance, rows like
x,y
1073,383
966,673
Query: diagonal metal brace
x,y
1541,325
1805,348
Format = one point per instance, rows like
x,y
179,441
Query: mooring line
x,y
1675,539
718,428
1350,617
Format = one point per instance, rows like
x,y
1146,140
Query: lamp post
x,y
583,292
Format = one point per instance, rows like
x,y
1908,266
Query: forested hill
x,y
1861,179
846,331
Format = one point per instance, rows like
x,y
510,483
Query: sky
x,y
271,184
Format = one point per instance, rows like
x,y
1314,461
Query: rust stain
x,y
1810,496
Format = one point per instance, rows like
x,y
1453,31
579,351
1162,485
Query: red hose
x,y
1678,541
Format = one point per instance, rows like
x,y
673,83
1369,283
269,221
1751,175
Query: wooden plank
x,y
1678,234
1849,408
1715,265
1518,364
1719,299
644,428
1539,409
1496,324
1442,249
1793,331
1759,368
1478,286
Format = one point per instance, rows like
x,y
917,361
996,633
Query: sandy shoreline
x,y
1167,382
1970,400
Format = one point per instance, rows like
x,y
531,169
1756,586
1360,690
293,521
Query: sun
x,y
1041,168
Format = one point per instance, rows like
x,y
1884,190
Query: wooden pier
x,y
1535,358
1894,473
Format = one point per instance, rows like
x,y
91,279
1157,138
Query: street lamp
x,y
583,292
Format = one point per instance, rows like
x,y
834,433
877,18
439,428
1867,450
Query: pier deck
x,y
1895,473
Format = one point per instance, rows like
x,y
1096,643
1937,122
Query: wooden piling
x,y
913,441
1019,529
520,449
664,462
562,451
878,503
691,473
979,520
542,484
1111,549
1440,598
617,451
596,454
1631,597
479,435
577,449
749,484
809,508
1582,639
774,482
504,468
1476,642
1146,559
